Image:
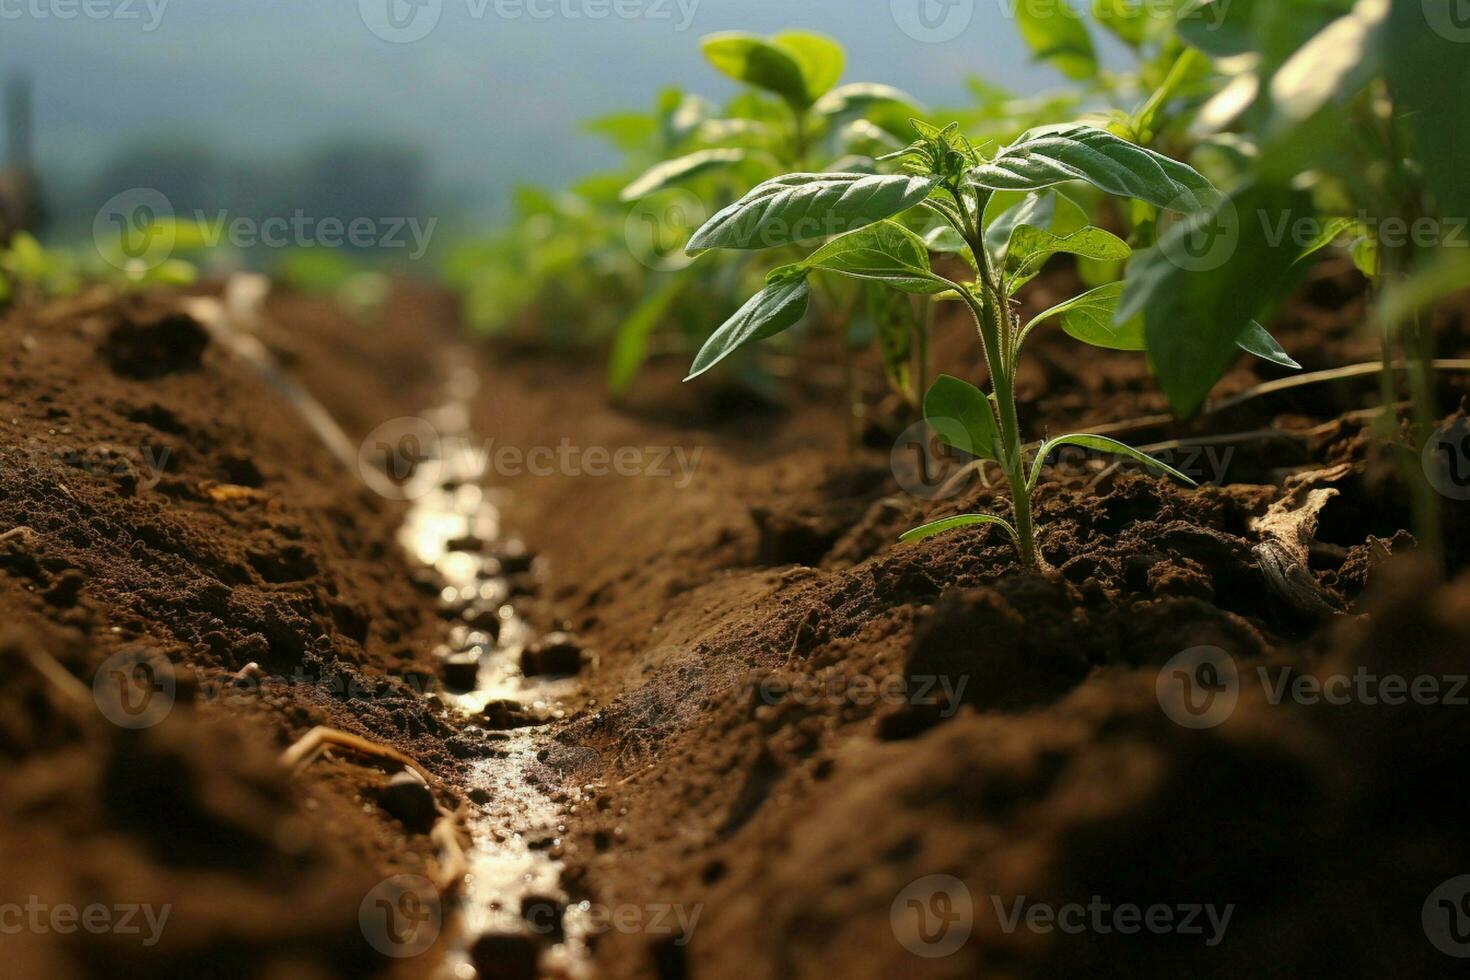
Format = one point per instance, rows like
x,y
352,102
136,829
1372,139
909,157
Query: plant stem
x,y
799,137
925,325
849,417
1396,265
993,319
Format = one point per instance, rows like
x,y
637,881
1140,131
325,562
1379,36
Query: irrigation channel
x,y
513,907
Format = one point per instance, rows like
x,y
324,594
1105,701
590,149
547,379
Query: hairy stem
x,y
993,318
1396,265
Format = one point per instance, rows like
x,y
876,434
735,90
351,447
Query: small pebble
x,y
461,671
406,797
504,956
514,557
554,653
543,915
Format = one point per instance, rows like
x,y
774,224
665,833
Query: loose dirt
x,y
785,724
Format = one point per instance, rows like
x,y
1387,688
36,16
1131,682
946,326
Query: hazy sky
x,y
491,93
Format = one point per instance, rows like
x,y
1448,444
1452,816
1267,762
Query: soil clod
x,y
553,654
505,956
406,797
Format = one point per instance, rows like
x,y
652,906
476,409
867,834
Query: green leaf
x,y
1207,279
943,238
1100,444
1332,229
1189,67
1127,19
886,251
777,308
630,343
628,131
800,207
676,171
170,272
1446,274
1365,256
820,58
1429,77
1089,318
1050,155
896,322
1257,340
962,417
1219,28
937,528
680,116
1335,64
1056,35
1047,210
755,61
4,290
860,96
1030,248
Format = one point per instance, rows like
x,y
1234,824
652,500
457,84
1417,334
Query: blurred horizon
x,y
283,105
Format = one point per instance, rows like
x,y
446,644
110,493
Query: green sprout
x,y
1003,217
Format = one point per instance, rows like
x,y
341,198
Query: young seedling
x,y
793,116
1004,218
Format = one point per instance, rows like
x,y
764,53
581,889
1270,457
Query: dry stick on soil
x,y
1348,372
321,738
74,692
1254,435
1288,533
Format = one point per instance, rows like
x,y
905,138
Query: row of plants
x,y
30,270
1168,183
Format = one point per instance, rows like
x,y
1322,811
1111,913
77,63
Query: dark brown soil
x,y
157,499
791,718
